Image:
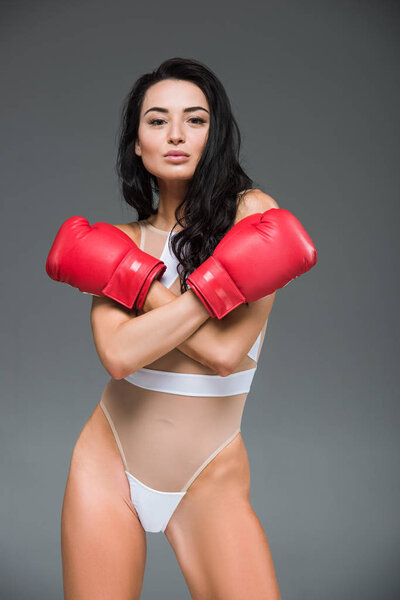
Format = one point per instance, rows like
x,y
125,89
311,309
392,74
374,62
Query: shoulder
x,y
131,229
254,201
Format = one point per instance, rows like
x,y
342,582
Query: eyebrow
x,y
185,110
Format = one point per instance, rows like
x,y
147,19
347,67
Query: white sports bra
x,y
188,384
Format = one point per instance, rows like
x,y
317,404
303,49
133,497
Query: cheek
x,y
148,142
148,138
203,141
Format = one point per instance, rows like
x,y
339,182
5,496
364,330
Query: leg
x,y
102,541
216,536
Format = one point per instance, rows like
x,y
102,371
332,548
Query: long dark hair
x,y
210,203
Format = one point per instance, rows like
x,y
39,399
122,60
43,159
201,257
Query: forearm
x,y
202,345
156,332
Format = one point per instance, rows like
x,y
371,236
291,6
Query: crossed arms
x,y
125,342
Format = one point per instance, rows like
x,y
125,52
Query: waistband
x,y
192,384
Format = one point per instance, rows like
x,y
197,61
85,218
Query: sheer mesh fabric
x,y
166,439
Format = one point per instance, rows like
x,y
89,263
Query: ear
x,y
138,149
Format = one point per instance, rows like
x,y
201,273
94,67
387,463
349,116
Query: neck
x,y
171,194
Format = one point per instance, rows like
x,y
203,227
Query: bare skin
x,y
217,538
97,506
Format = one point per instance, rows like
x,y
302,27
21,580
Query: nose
x,y
175,134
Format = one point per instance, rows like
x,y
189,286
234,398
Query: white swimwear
x,y
171,419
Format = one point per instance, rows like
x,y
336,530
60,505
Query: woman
x,y
162,451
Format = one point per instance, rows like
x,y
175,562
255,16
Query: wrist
x,y
215,288
151,297
198,305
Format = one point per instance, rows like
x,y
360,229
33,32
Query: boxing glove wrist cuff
x,y
215,288
156,273
129,279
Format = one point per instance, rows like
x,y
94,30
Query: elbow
x,y
119,371
229,365
116,373
223,371
225,367
114,366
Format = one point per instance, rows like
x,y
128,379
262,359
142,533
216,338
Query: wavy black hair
x,y
210,204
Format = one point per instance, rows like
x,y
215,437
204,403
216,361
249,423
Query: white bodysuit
x,y
172,418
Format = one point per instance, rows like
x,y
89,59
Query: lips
x,y
176,153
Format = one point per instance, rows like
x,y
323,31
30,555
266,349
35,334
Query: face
x,y
182,124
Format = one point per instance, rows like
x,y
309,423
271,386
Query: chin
x,y
176,172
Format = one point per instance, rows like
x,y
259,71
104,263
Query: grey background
x,y
315,89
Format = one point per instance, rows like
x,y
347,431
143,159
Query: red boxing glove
x,y
260,254
102,260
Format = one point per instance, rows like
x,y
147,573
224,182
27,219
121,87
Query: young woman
x,y
179,328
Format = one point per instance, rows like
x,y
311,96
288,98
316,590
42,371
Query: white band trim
x,y
192,384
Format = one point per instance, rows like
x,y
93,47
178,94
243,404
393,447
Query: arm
x,y
169,325
117,333
222,344
219,344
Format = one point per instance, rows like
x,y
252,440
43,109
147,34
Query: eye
x,y
158,121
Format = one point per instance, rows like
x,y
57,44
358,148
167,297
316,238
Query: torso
x,y
167,423
175,360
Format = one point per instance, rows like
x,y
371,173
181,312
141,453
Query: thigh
x,y
102,541
216,536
